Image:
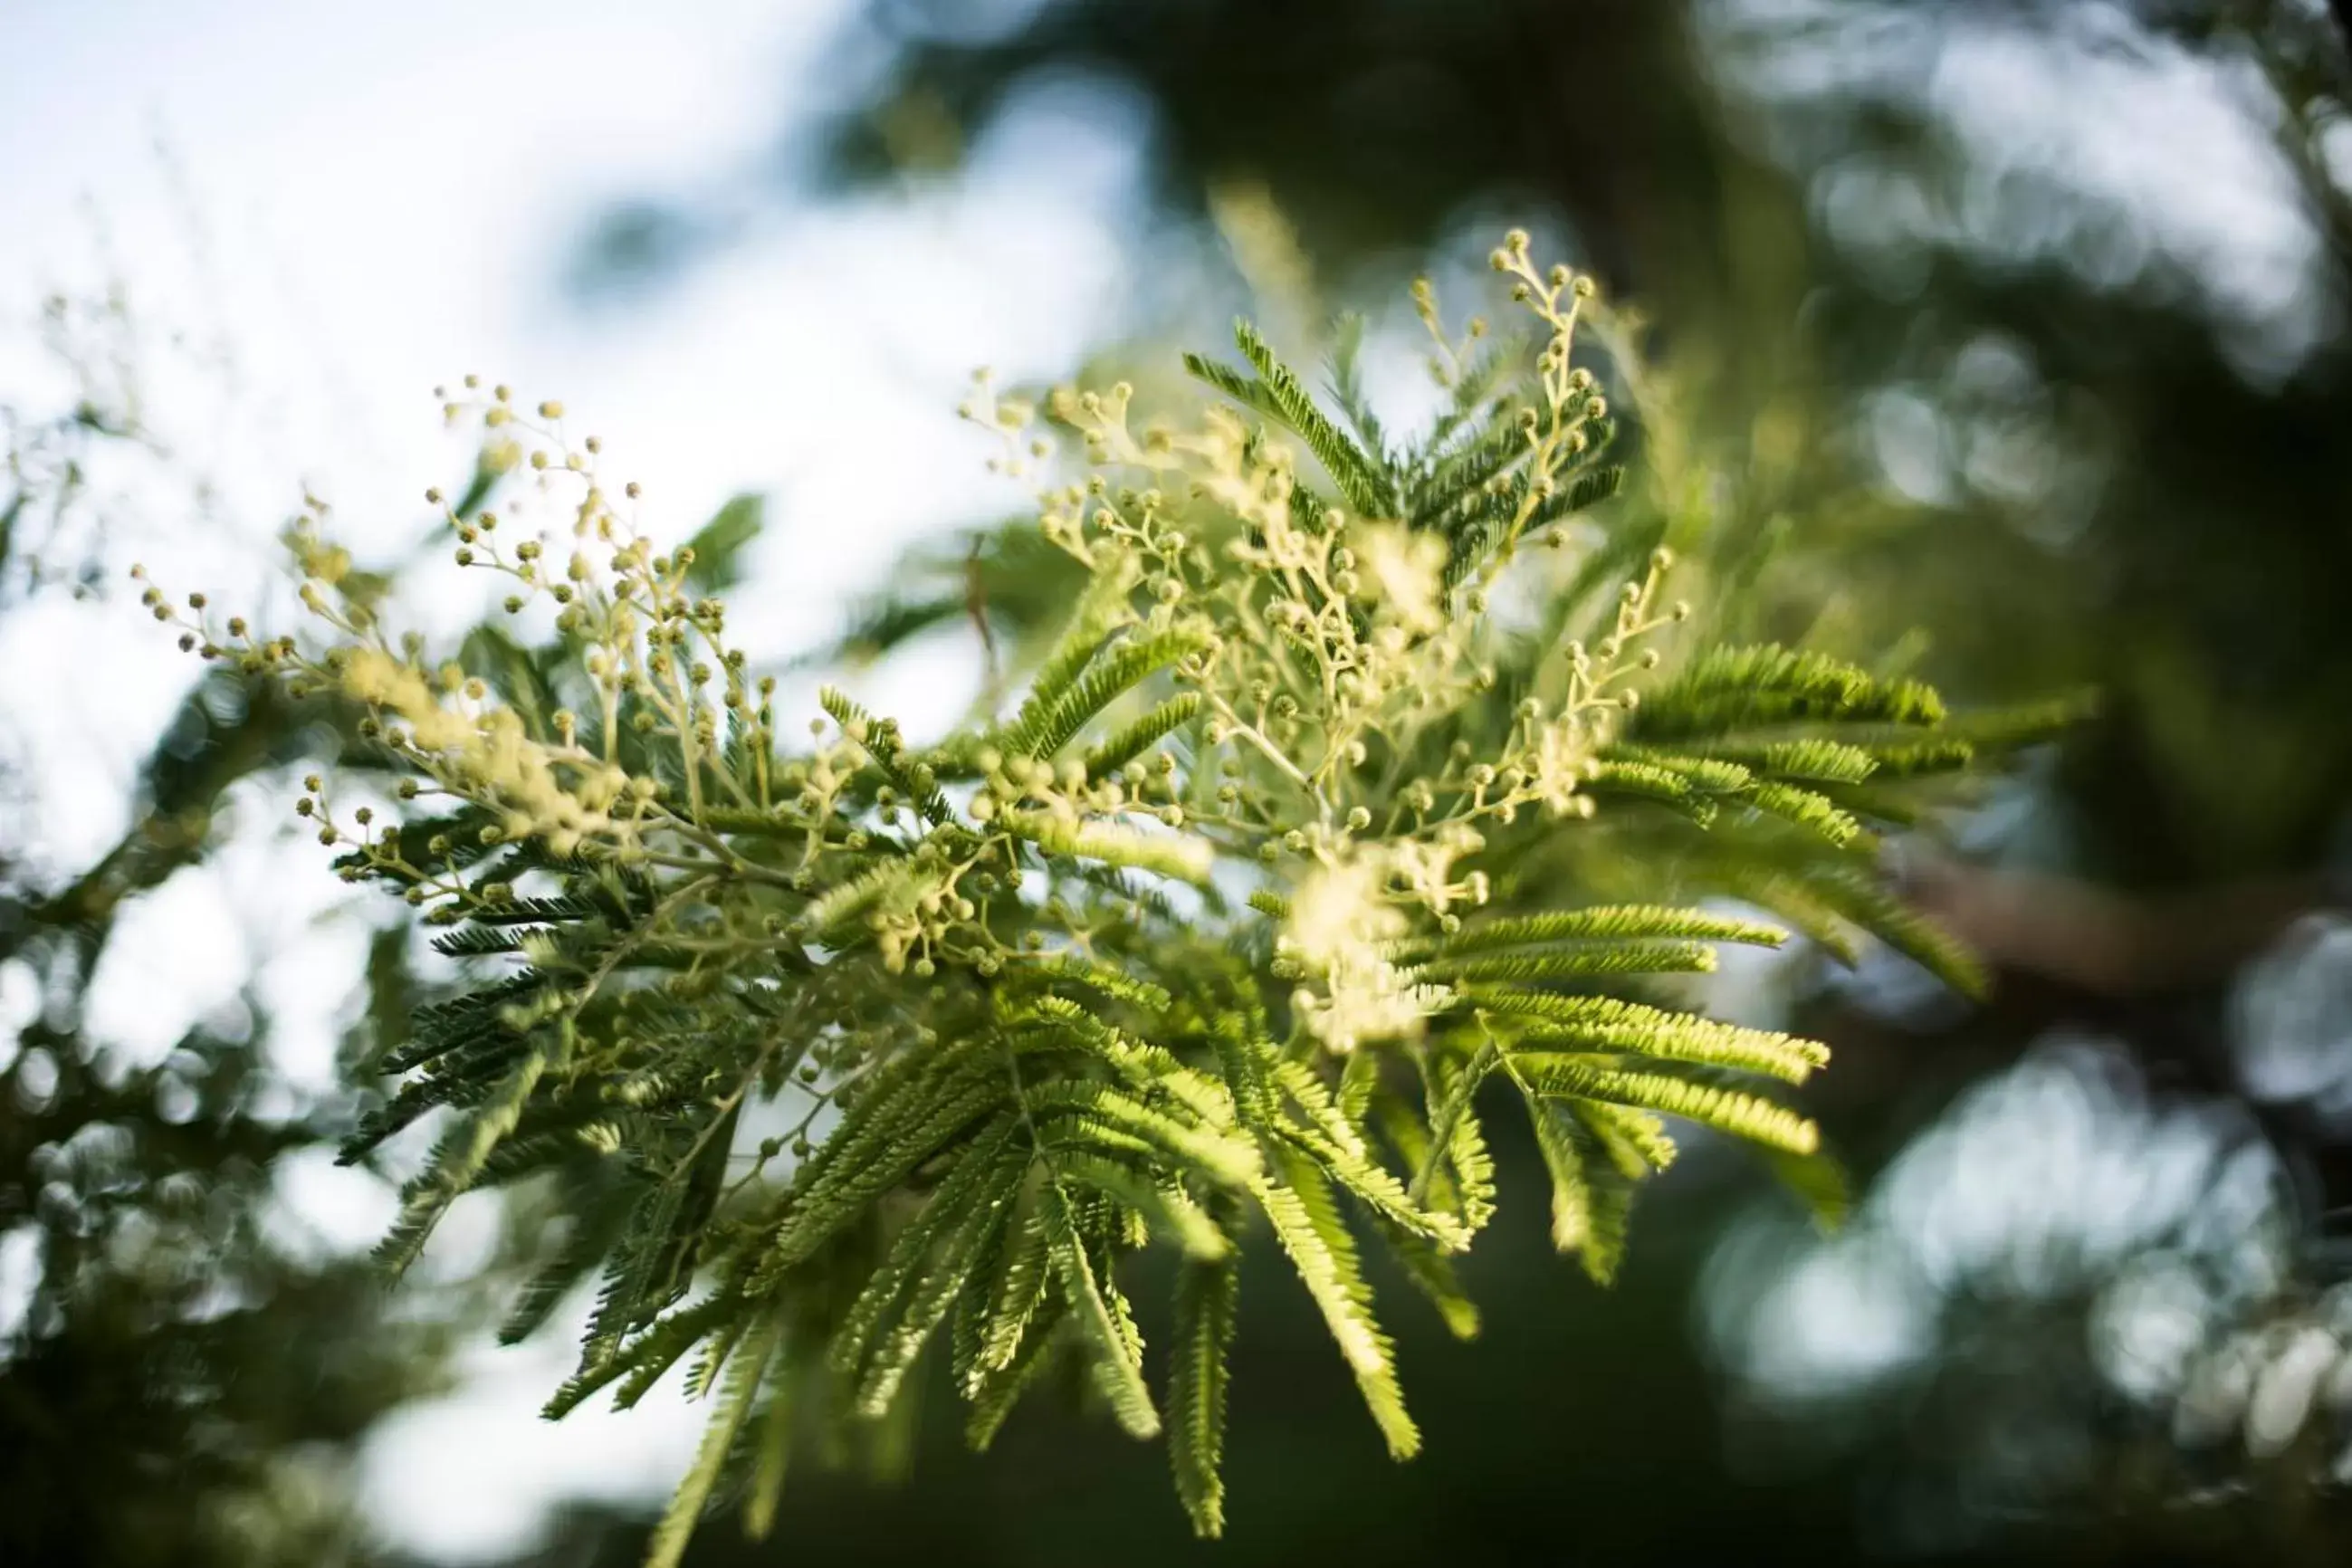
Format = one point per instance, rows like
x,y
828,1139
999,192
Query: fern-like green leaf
x,y
1129,742
1100,682
1727,689
976,1215
1592,1200
1278,394
1808,809
875,1311
1001,1388
686,1505
1207,1295
772,1451
1118,1372
1298,1202
457,1162
1171,1211
1612,922
1605,1024
1729,1110
1182,856
1572,962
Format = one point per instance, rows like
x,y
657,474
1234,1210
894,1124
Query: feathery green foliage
x,y
841,1052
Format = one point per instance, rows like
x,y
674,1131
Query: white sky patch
x,y
19,1276
469,1478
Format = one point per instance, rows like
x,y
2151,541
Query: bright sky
x,y
361,202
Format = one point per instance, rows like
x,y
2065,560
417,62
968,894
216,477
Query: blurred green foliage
x,y
188,1373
